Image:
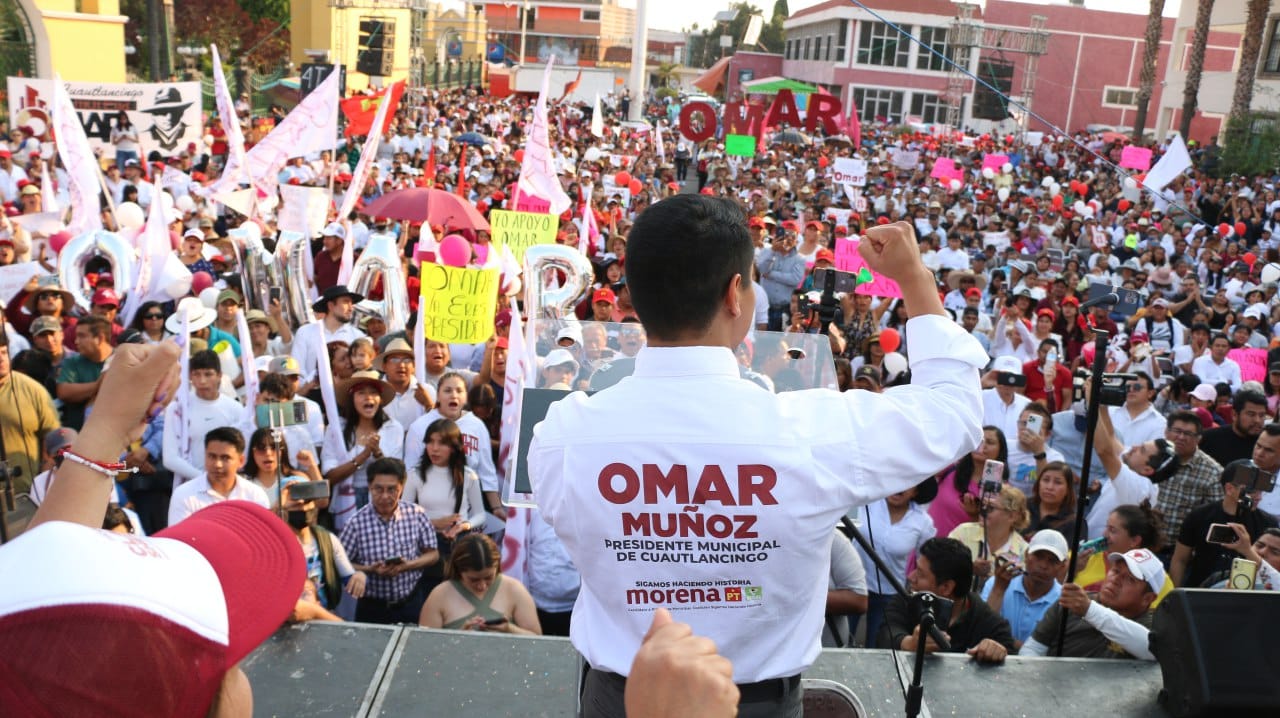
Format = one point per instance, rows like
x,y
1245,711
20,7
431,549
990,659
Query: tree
x,y
1147,79
1250,49
1195,66
780,10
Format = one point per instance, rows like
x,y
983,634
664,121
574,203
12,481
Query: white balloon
x,y
1055,189
988,173
1007,167
175,279
166,201
130,216
894,364
1271,273
1003,194
209,297
955,185
208,140
1130,183
1047,182
184,203
1079,207
1088,212
592,154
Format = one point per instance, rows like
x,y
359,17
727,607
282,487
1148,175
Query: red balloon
x,y
201,281
1123,205
622,179
636,185
1241,228
519,155
1057,201
823,162
1224,229
1250,258
890,340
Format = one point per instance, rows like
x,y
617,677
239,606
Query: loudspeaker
x,y
376,62
1217,652
377,34
988,105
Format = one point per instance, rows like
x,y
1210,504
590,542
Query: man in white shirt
x,y
1002,403
953,256
338,304
10,175
221,481
1135,472
1137,421
207,409
686,439
412,399
133,175
1218,367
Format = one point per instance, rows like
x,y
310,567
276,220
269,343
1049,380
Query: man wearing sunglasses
x,y
1135,472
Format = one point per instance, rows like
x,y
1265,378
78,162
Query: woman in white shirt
x,y
895,527
448,491
367,434
124,137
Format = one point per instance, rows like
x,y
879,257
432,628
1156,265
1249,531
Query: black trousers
x,y
603,692
407,610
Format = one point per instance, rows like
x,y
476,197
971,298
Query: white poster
x,y
167,115
850,170
839,216
907,160
303,209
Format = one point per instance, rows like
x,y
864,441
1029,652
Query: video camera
x,y
1115,387
309,490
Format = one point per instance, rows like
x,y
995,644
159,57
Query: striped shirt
x,y
370,538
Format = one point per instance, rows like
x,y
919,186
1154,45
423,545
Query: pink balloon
x,y
59,240
455,251
200,281
1088,352
482,253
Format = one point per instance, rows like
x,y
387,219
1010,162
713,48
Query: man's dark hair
x,y
1041,410
1164,462
1146,379
1184,417
98,326
1247,396
274,384
681,255
227,435
949,560
387,466
206,359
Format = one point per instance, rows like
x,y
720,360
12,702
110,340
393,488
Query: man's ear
x,y
947,588
733,295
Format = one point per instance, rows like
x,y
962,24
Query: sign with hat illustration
x,y
167,114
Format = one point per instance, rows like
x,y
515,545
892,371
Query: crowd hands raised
x,y
1009,261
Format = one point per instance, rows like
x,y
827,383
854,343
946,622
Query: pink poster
x,y
995,162
848,260
945,169
1137,158
1253,363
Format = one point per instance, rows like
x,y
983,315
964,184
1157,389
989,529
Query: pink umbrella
x,y
424,204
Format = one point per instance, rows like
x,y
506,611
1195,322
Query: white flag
x,y
538,174
1174,162
48,196
662,151
597,118
77,158
230,122
154,248
248,370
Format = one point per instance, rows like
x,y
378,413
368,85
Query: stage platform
x,y
327,669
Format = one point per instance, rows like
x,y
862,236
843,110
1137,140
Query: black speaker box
x,y
1217,652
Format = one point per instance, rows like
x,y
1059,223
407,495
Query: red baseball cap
x,y
501,343
193,600
813,223
973,292
105,297
824,255
1046,312
755,222
841,232
604,294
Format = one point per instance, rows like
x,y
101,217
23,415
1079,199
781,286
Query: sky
x,y
678,14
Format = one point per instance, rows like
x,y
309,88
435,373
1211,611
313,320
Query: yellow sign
x,y
458,304
521,230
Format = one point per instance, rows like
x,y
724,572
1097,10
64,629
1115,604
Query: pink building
x,y
1087,77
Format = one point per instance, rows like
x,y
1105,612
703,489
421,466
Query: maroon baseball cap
x,y
105,297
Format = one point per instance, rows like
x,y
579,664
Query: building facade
x,y
576,32
28,48
1087,78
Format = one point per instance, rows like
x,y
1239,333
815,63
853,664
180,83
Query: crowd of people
x,y
412,529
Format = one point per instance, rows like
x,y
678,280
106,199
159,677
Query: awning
x,y
771,85
712,80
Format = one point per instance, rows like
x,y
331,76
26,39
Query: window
x,y
1271,63
805,56
929,108
935,38
830,42
1119,97
591,16
817,48
880,44
786,53
876,105
532,14
842,40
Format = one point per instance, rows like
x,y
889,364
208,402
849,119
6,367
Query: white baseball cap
x,y
334,229
1051,541
1142,564
1205,392
1008,364
556,357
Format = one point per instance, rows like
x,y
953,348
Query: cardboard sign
x,y
533,409
848,260
521,230
905,159
740,145
1034,138
1136,158
458,304
993,161
15,276
850,170
1253,363
839,216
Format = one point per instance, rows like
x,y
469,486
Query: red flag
x,y
461,187
361,109
429,172
569,87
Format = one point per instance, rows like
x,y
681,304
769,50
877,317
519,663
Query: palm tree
x,y
1147,80
1195,67
1250,49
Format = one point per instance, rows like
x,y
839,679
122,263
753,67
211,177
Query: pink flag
x,y
994,161
77,158
1136,158
230,122
945,169
537,173
521,372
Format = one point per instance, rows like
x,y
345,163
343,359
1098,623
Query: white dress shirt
x,y
1211,372
1131,431
1005,416
197,494
304,345
740,488
187,462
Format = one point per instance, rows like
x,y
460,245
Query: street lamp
x,y
190,56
